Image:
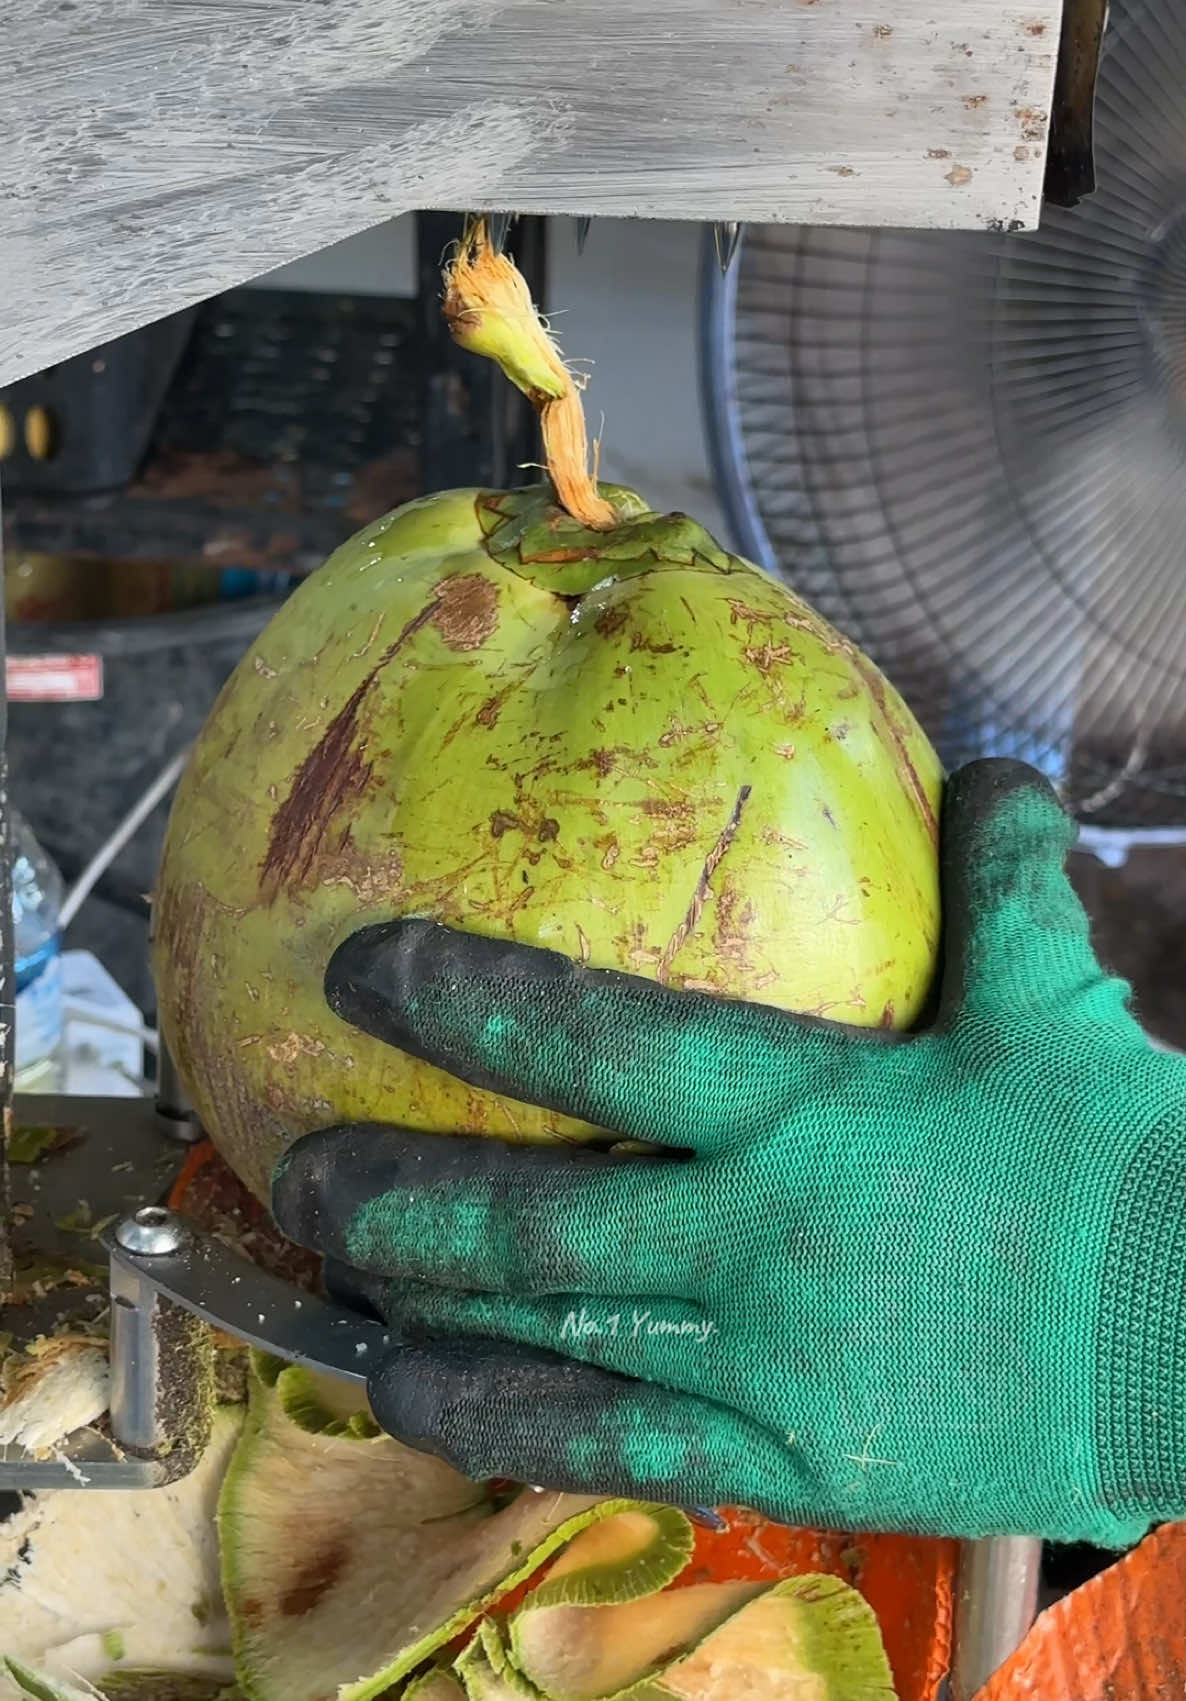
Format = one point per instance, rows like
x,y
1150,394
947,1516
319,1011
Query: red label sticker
x,y
54,679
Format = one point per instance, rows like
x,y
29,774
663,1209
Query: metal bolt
x,y
151,1230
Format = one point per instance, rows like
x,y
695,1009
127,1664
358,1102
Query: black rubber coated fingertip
x,y
370,976
419,1393
298,1181
980,787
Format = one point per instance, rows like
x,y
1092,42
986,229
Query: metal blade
x,y
727,236
226,1290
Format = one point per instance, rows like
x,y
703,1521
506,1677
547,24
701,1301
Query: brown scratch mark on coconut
x,y
842,170
675,824
906,768
466,611
488,714
1035,26
958,176
639,641
549,829
887,1015
502,821
294,1045
374,880
610,620
604,760
747,615
938,153
735,917
331,775
973,101
674,734
883,31
767,656
832,913
315,1575
369,645
696,905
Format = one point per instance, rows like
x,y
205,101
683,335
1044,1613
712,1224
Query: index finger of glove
x,y
474,1214
684,1069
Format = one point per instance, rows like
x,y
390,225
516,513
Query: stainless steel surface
x,y
178,1118
135,1362
112,1159
226,1290
90,1461
152,1229
996,1603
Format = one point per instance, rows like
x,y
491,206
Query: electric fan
x,y
969,451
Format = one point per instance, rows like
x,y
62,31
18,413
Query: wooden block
x,y
157,152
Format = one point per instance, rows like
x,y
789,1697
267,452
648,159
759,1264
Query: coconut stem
x,y
489,310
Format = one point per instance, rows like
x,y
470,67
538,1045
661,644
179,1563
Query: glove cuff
x,y
1141,1371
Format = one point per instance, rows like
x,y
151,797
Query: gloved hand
x,y
932,1283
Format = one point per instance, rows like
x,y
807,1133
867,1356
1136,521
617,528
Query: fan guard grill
x,y
968,450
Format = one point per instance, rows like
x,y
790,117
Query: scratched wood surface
x,y
155,152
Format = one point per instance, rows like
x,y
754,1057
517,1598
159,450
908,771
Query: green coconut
x,y
572,723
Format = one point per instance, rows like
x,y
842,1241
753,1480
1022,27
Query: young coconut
x,y
551,715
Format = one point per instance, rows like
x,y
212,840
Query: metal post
x,y
996,1603
136,1377
178,1118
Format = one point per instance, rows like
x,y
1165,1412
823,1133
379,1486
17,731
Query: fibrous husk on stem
x,y
489,311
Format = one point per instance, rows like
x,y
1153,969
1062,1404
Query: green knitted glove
x,y
934,1283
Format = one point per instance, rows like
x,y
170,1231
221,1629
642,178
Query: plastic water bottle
x,y
36,902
